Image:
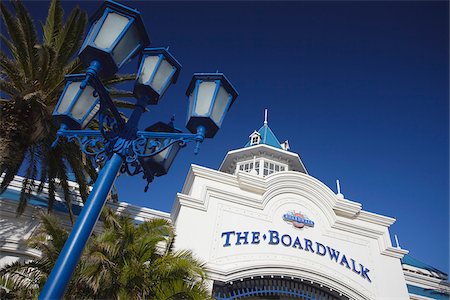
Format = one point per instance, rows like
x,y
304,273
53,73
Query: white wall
x,y
213,203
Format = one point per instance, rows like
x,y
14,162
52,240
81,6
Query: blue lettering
x,y
283,240
344,261
227,238
274,239
239,237
287,240
353,267
255,237
297,242
321,247
364,272
308,244
333,254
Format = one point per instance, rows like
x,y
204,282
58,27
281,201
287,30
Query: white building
x,y
268,230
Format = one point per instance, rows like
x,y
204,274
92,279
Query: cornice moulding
x,y
347,208
425,281
251,183
376,218
394,252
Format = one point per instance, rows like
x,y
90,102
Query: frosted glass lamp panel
x,y
162,155
84,103
148,68
204,97
220,105
71,92
91,32
111,29
191,104
91,115
126,46
162,75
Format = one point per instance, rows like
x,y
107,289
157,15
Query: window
x,y
271,167
255,139
262,167
257,167
248,166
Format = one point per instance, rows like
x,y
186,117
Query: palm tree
x,y
25,278
124,261
32,78
140,263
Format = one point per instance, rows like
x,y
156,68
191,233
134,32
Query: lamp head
x,y
158,69
77,105
210,95
159,164
116,35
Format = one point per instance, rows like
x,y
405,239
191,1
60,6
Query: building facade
x,y
268,230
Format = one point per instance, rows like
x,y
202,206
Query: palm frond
x,y
53,23
9,172
63,183
119,78
74,158
8,44
70,37
12,70
28,183
7,87
115,93
29,34
16,34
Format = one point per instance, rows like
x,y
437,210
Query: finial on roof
x,y
265,116
172,120
397,244
338,185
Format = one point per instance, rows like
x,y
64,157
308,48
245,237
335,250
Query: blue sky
x,y
360,89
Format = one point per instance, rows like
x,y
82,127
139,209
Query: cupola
x,y
262,155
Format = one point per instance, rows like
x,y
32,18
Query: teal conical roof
x,y
267,137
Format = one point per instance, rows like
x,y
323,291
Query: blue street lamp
x,y
158,69
116,35
76,106
160,163
210,97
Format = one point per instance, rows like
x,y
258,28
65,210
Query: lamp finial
x,y
172,120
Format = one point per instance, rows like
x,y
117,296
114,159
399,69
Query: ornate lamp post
x,y
117,34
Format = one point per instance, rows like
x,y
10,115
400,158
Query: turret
x,y
262,155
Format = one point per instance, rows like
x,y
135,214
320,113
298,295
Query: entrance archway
x,y
273,288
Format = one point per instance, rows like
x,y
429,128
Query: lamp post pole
x,y
119,146
61,273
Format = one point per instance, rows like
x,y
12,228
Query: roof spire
x,y
265,116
